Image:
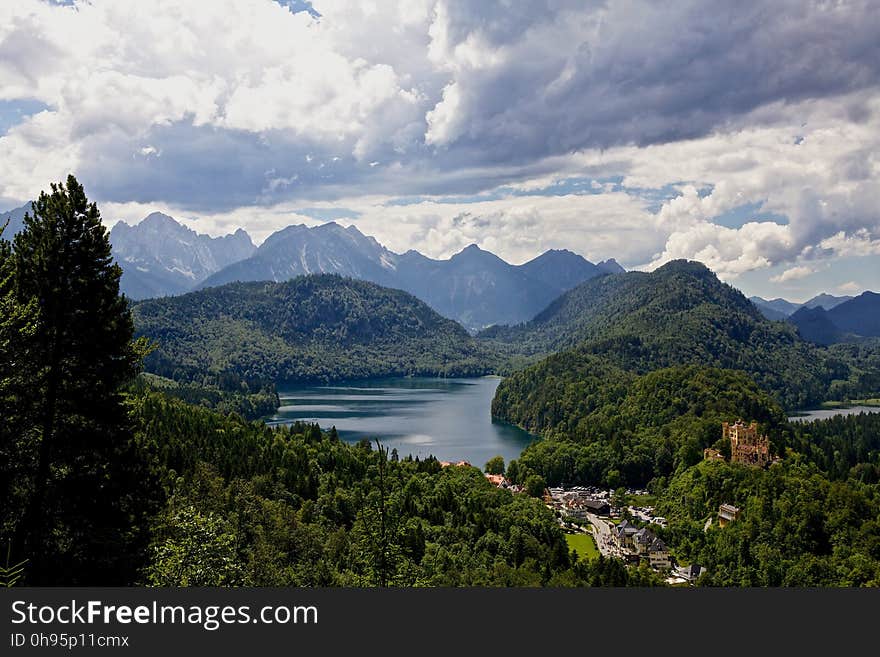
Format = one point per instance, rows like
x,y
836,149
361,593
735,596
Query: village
x,y
624,531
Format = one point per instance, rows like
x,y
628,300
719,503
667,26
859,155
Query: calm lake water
x,y
447,418
825,413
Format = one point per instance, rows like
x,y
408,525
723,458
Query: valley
x,y
310,295
282,416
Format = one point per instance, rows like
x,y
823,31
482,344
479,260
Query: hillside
x,y
680,314
319,327
606,426
244,504
815,325
635,302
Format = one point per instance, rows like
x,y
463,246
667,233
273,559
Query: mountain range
x,y
849,321
779,309
161,257
474,287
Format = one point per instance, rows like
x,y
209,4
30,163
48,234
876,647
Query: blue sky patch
x,y
296,6
329,214
748,212
13,112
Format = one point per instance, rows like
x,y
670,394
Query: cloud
x,y
551,77
517,227
491,83
115,77
671,116
849,287
858,243
793,274
444,121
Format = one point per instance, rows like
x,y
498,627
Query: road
x,y
604,538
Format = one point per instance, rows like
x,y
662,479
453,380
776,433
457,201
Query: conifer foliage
x,y
75,477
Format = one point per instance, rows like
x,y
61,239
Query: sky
x,y
745,135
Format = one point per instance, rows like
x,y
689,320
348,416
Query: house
x,y
575,510
623,534
690,573
727,513
597,507
658,555
642,539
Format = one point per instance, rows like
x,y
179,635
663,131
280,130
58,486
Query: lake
x,y
825,413
447,418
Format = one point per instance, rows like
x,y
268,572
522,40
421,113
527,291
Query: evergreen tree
x,y
17,324
84,479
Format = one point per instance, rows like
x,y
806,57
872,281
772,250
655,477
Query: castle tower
x,y
746,446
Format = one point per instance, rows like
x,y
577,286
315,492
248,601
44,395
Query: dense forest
x,y
244,504
681,314
606,426
659,361
251,405
246,336
811,520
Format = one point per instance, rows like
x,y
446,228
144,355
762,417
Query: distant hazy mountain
x,y
562,269
780,309
774,309
474,287
298,250
161,257
16,218
860,315
826,301
850,320
611,266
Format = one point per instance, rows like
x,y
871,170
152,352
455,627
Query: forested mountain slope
x,y
319,327
681,314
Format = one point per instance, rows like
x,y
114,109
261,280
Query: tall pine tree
x,y
17,329
83,521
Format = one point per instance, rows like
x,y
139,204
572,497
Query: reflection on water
x,y
447,418
825,413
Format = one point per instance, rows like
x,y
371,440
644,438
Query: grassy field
x,y
584,544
